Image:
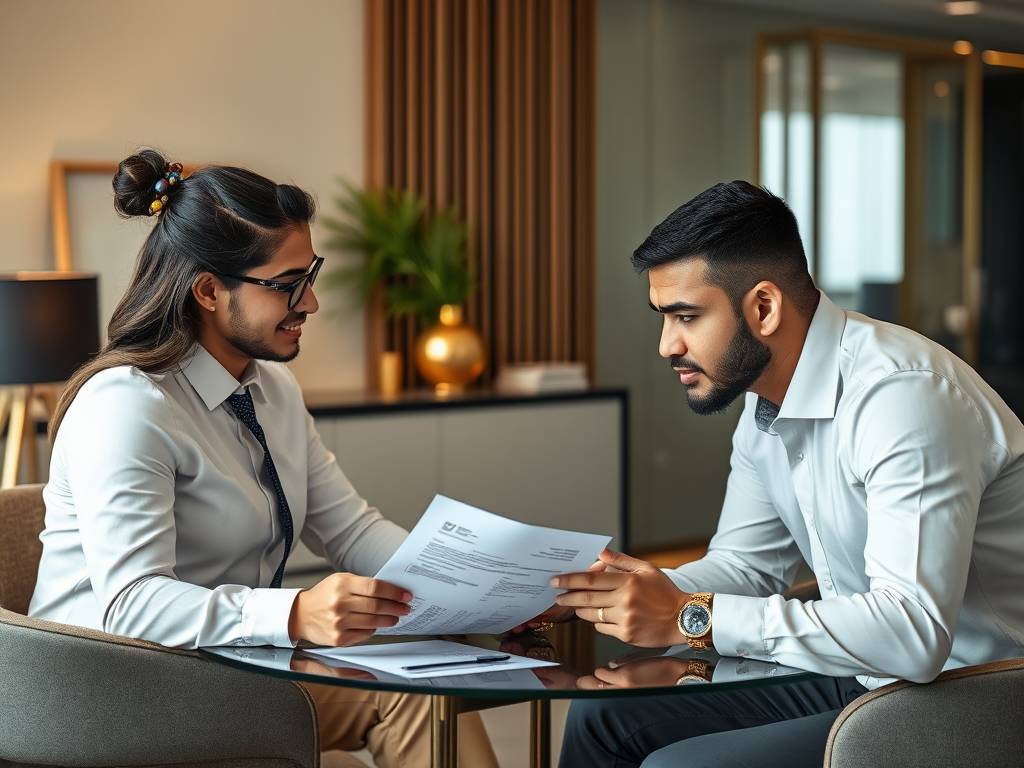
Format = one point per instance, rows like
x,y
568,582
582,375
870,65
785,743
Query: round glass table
x,y
575,675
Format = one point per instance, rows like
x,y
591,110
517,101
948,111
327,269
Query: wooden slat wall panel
x,y
489,105
585,185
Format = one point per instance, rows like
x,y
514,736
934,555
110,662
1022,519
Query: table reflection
x,y
679,665
642,668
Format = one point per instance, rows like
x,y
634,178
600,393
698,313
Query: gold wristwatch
x,y
696,672
694,620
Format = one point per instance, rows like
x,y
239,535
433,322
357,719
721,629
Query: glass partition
x,y
861,179
787,134
867,139
938,294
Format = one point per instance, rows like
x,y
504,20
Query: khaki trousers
x,y
395,727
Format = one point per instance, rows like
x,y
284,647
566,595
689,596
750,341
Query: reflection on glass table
x,y
642,672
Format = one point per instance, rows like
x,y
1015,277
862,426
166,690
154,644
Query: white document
x,y
431,658
471,571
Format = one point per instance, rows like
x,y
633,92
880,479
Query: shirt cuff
x,y
734,670
738,626
265,616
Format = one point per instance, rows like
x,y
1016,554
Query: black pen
x,y
464,662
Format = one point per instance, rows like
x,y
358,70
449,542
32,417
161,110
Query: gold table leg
x,y
540,734
444,732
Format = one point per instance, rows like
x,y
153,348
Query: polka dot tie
x,y
246,413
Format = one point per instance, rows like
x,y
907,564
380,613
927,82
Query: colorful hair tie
x,y
163,186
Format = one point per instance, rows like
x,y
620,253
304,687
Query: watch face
x,y
695,620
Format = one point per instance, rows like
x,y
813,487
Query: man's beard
x,y
742,364
248,340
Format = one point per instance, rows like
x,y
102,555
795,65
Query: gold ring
x,y
600,616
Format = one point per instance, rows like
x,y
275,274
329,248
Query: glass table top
x,y
640,672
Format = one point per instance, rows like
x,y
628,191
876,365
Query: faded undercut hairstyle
x,y
220,219
745,234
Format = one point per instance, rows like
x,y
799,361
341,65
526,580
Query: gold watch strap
x,y
702,598
696,670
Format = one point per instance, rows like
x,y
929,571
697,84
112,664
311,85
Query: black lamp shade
x,y
49,325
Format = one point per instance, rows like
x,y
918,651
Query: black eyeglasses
x,y
295,289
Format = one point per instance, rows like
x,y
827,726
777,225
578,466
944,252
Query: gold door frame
x,y
919,51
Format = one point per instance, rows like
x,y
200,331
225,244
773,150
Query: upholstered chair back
x,y
21,521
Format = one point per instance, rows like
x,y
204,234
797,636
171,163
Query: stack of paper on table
x,y
403,662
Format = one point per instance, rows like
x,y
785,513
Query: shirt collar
x,y
213,383
813,391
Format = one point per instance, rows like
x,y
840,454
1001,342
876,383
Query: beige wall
x,y
275,86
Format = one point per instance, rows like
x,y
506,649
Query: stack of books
x,y
535,378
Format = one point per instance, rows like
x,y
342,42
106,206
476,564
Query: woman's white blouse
x,y
161,521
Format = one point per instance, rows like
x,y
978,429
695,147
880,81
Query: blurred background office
x,y
892,127
562,131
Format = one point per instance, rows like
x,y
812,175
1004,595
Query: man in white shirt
x,y
874,454
185,466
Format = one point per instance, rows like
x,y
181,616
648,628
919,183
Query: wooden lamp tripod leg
x,y
18,397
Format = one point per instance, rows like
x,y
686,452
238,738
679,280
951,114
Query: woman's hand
x,y
314,667
344,609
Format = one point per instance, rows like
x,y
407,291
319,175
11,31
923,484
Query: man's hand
x,y
556,613
638,605
646,673
344,609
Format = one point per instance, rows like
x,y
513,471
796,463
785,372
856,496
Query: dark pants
x,y
775,725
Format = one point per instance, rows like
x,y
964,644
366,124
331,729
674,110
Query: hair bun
x,y
134,181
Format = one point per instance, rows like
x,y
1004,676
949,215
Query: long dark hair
x,y
220,219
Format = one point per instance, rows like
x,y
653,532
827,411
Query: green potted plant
x,y
420,261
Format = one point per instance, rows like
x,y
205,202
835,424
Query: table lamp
x,y
49,325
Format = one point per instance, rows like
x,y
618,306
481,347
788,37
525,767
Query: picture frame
x,y
59,172
88,235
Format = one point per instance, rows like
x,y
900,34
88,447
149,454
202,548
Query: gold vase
x,y
451,354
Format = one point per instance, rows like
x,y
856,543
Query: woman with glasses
x,y
185,467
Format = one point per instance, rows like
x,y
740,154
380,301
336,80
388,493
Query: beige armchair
x,y
76,697
968,716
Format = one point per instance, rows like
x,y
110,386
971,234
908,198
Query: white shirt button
x,y
800,456
827,584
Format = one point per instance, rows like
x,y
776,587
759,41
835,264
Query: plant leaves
x,y
423,259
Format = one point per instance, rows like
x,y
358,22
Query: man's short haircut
x,y
744,233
